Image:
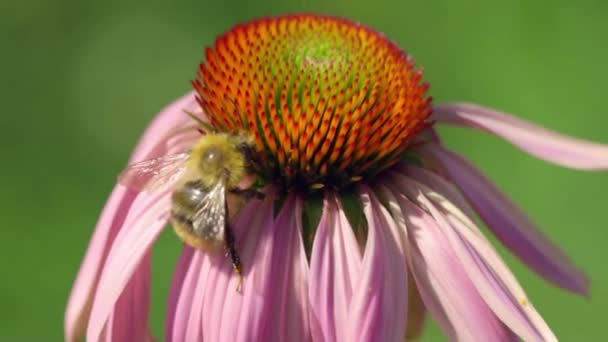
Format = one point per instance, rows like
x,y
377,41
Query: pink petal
x,y
416,311
81,297
164,126
494,281
209,307
129,321
378,308
180,288
437,182
510,225
335,266
229,315
443,284
112,219
189,314
141,228
286,314
540,142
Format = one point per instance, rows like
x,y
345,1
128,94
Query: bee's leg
x,y
234,256
248,193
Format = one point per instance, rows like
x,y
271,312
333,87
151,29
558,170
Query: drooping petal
x,y
142,226
510,225
129,320
230,314
112,219
188,322
378,308
443,284
435,181
209,306
416,311
493,280
181,287
397,280
335,265
538,141
285,317
81,297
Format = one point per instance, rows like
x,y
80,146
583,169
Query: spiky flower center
x,y
328,101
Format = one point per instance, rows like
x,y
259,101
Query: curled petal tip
x,y
538,141
509,223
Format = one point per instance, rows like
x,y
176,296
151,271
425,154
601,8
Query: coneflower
x,y
371,222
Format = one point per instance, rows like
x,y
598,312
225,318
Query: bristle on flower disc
x,y
328,101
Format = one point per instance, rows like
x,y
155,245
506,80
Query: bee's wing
x,y
209,222
154,174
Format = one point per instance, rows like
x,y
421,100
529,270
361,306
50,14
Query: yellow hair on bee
x,y
192,240
217,157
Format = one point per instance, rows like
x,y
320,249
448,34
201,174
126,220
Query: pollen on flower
x,y
328,101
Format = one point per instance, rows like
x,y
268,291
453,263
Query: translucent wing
x,y
209,222
154,174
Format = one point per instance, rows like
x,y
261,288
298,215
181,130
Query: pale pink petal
x,y
378,308
439,183
335,265
171,118
256,231
416,311
193,322
180,288
396,280
112,219
540,142
443,284
186,321
227,314
209,306
285,317
81,297
142,226
494,281
508,222
129,320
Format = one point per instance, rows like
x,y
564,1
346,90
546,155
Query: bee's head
x,y
217,156
212,159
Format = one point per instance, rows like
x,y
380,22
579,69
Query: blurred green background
x,y
80,80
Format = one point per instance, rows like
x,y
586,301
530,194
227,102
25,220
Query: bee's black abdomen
x,y
191,195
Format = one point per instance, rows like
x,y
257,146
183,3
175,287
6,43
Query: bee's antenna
x,y
207,127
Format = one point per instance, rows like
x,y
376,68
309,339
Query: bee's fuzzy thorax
x,y
230,163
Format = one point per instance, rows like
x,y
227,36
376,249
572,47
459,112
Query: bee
x,y
217,166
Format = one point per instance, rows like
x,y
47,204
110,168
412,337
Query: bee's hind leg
x,y
234,256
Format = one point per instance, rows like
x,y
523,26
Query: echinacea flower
x,y
372,220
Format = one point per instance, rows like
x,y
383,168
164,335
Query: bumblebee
x,y
217,165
